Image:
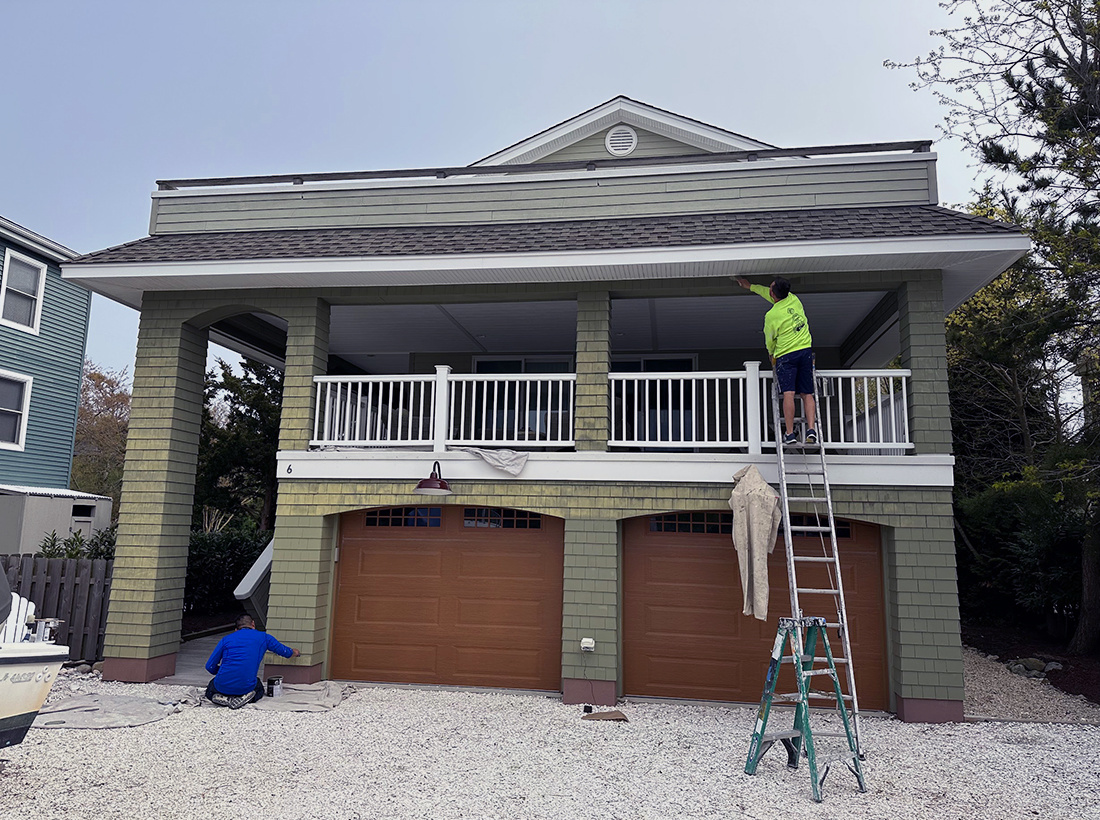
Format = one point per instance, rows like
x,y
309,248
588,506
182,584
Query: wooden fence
x,y
76,590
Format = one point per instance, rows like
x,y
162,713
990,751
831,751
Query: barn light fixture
x,y
433,484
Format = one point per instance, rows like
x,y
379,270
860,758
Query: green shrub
x,y
216,563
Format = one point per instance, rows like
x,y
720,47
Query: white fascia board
x,y
661,468
53,251
936,252
548,176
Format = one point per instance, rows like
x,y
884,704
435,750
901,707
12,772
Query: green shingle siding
x,y
763,186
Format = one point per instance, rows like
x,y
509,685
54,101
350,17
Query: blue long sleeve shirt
x,y
235,661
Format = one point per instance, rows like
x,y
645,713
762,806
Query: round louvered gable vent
x,y
621,140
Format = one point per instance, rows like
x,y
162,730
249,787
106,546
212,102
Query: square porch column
x,y
301,569
158,487
592,414
590,609
923,596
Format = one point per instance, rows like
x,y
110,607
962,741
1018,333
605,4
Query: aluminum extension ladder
x,y
806,463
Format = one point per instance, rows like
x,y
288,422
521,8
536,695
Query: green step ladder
x,y
799,740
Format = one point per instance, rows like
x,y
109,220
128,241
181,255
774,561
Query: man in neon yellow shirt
x,y
787,337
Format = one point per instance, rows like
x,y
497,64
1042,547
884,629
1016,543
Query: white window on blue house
x,y
15,401
21,285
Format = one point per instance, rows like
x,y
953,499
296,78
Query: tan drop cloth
x,y
756,520
96,711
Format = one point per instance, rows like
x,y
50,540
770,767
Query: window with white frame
x,y
15,400
21,285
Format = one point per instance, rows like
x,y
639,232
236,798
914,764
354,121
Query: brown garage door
x,y
469,596
683,632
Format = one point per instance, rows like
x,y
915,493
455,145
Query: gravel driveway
x,y
416,753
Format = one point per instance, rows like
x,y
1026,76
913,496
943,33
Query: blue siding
x,y
55,360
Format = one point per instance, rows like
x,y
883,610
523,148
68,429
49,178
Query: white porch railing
x,y
861,410
374,410
522,410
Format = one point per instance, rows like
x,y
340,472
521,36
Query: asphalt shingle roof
x,y
681,230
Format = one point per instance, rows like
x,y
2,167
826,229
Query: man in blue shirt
x,y
235,662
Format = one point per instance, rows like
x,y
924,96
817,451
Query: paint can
x,y
274,686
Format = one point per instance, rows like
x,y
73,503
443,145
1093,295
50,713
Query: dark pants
x,y
211,691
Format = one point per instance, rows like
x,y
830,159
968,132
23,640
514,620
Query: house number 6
x,y
289,469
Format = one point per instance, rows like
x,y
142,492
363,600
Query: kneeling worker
x,y
235,662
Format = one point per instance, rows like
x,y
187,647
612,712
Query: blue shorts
x,y
795,372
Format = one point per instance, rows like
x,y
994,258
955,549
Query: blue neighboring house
x,y
43,332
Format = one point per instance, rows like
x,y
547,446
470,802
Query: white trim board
x,y
661,468
54,251
983,256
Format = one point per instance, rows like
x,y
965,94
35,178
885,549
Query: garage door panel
x,y
501,614
697,569
410,662
682,624
449,604
501,565
383,611
399,561
518,668
675,622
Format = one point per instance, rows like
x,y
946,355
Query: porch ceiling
x,y
380,338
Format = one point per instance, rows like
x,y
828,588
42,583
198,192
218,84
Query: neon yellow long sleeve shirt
x,y
786,328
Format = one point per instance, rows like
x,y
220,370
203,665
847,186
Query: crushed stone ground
x,y
422,753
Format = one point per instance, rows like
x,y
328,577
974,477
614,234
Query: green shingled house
x,y
567,299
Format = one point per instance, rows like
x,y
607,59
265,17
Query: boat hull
x,y
27,672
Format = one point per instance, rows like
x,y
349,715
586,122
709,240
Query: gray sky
x,y
111,96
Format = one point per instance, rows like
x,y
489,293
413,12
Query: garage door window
x,y
500,518
405,517
693,522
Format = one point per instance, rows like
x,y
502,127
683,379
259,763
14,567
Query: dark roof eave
x,y
681,230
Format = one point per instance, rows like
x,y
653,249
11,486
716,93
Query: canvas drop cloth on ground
x,y
97,711
756,520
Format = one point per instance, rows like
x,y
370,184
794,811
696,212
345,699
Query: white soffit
x,y
965,260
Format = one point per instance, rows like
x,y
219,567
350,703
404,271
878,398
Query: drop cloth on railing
x,y
756,520
510,461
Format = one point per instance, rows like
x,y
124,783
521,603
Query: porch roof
x,y
679,231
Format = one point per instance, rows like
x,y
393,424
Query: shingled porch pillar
x,y
154,524
923,599
302,566
592,414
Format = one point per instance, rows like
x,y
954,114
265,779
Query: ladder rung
x,y
787,733
817,559
818,592
805,499
814,693
807,528
831,626
836,660
807,471
808,672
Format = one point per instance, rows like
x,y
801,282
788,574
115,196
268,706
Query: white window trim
x,y
25,411
9,254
